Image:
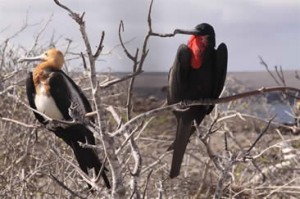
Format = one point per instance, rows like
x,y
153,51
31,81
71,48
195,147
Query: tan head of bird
x,y
51,58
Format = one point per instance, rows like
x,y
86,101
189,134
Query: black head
x,y
203,29
200,29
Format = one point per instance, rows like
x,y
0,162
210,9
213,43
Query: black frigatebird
x,y
198,72
51,92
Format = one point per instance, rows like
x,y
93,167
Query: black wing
x,y
85,101
178,82
220,69
178,75
64,92
30,91
60,92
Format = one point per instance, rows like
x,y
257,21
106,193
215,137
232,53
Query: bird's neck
x,y
197,45
40,76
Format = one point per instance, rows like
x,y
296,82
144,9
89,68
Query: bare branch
x,y
280,75
259,136
100,46
147,182
84,62
131,57
157,161
18,122
64,186
107,84
75,16
268,70
38,35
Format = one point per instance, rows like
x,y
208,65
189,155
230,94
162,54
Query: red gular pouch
x,y
197,45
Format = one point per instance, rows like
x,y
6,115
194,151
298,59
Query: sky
x,y
250,28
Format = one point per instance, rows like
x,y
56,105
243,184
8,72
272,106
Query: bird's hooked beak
x,y
188,32
41,57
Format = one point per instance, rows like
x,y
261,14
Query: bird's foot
x,y
179,109
54,125
182,107
184,104
51,125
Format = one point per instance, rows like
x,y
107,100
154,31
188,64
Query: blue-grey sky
x,y
269,28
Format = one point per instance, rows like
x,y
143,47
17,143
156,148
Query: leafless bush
x,y
233,154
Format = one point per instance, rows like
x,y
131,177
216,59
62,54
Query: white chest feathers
x,y
47,105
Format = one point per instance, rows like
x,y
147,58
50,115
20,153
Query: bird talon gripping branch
x,y
182,107
52,125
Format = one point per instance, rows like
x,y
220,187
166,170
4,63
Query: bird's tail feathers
x,y
88,159
180,144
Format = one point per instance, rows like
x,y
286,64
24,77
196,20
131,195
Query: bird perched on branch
x,y
51,92
198,72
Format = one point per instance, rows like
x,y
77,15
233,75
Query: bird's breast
x,y
200,83
45,103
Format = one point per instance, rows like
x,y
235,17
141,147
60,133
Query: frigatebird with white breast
x,y
51,92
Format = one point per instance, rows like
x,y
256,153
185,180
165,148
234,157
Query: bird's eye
x,y
46,54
